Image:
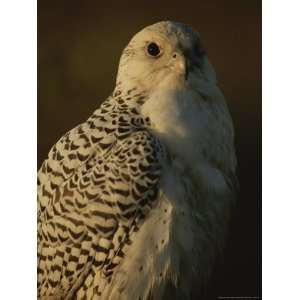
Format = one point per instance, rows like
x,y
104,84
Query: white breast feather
x,y
173,232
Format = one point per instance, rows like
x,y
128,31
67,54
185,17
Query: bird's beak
x,y
182,64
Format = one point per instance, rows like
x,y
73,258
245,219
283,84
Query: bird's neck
x,y
129,95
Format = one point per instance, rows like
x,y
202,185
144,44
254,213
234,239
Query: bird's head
x,y
167,64
163,56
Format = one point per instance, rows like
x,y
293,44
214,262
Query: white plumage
x,y
143,189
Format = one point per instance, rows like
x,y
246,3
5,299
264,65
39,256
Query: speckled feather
x,y
96,186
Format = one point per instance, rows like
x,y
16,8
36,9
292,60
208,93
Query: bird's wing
x,y
75,151
89,215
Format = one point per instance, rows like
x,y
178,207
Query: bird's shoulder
x,y
97,185
87,144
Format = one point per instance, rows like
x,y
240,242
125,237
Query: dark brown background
x,y
79,44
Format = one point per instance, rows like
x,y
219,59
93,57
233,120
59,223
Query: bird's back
x,y
96,186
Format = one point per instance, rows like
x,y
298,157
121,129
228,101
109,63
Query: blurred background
x,y
79,44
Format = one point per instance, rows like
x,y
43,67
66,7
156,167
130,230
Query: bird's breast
x,y
181,121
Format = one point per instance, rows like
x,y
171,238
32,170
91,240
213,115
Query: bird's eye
x,y
153,49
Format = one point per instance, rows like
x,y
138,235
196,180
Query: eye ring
x,y
153,50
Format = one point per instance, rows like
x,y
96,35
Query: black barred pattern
x,y
94,190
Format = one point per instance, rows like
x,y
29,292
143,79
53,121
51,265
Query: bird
x,y
135,202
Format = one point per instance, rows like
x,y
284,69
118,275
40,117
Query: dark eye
x,y
153,49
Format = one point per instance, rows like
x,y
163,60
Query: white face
x,y
164,55
167,63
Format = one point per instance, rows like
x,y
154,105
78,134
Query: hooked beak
x,y
182,64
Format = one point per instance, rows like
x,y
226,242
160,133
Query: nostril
x,y
174,55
